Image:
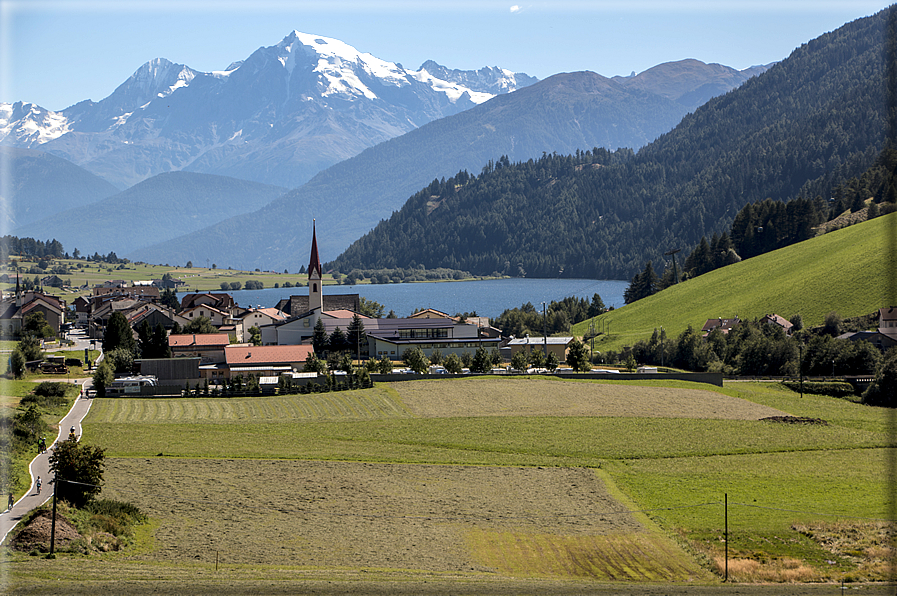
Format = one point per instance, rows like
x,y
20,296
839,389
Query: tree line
x,y
768,225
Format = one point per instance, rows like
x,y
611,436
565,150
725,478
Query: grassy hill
x,y
848,271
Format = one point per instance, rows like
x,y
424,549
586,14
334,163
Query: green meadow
x,y
842,271
779,478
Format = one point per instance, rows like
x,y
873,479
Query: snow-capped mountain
x,y
26,124
278,117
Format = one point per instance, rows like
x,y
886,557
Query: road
x,y
40,467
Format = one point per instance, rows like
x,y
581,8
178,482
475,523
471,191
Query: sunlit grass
x,y
849,280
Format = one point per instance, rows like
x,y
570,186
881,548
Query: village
x,y
211,341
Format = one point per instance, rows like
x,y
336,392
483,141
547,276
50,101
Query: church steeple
x,y
315,284
314,263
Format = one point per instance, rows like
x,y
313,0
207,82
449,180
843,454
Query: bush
x,y
51,389
883,390
830,388
114,517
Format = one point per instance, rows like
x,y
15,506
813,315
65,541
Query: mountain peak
x,y
489,79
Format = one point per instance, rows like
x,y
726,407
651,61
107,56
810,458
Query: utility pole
x,y
544,333
53,523
592,336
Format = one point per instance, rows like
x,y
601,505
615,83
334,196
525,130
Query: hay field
x,y
339,515
529,396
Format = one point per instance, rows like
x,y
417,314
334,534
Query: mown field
x,y
380,486
852,279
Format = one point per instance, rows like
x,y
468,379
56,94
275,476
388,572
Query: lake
x,y
489,297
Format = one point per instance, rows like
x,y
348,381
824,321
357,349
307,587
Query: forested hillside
x,y
160,207
806,125
37,183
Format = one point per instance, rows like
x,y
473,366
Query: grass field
x,y
852,279
197,279
455,488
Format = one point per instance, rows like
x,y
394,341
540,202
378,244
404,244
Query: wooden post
x,y
53,523
726,505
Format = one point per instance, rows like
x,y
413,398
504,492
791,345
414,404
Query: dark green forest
x,y
801,129
768,225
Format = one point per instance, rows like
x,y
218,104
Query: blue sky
x,y
58,52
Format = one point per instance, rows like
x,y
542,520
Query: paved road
x,y
40,467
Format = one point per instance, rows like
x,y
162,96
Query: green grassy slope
x,y
846,271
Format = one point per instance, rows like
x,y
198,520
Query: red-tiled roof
x,y
199,339
239,355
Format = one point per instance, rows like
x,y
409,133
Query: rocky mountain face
x,y
277,117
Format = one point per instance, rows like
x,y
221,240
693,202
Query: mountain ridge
x,y
191,200
564,112
304,104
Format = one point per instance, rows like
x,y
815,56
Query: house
x,y
208,347
777,320
258,317
148,293
878,338
82,309
168,284
556,345
221,301
257,361
14,311
724,325
53,281
300,329
218,317
153,314
391,337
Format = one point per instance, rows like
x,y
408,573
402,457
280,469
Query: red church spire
x,y
314,263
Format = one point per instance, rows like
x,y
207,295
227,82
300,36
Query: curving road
x,y
40,467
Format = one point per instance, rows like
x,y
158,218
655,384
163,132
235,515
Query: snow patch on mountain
x,y
27,124
453,91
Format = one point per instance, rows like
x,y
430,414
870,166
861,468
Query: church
x,y
386,337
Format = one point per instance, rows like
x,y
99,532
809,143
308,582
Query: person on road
x,y
12,502
42,445
38,485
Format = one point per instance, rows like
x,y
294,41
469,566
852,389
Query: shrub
x,y
883,390
830,388
51,389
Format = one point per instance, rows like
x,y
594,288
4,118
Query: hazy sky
x,y
57,52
